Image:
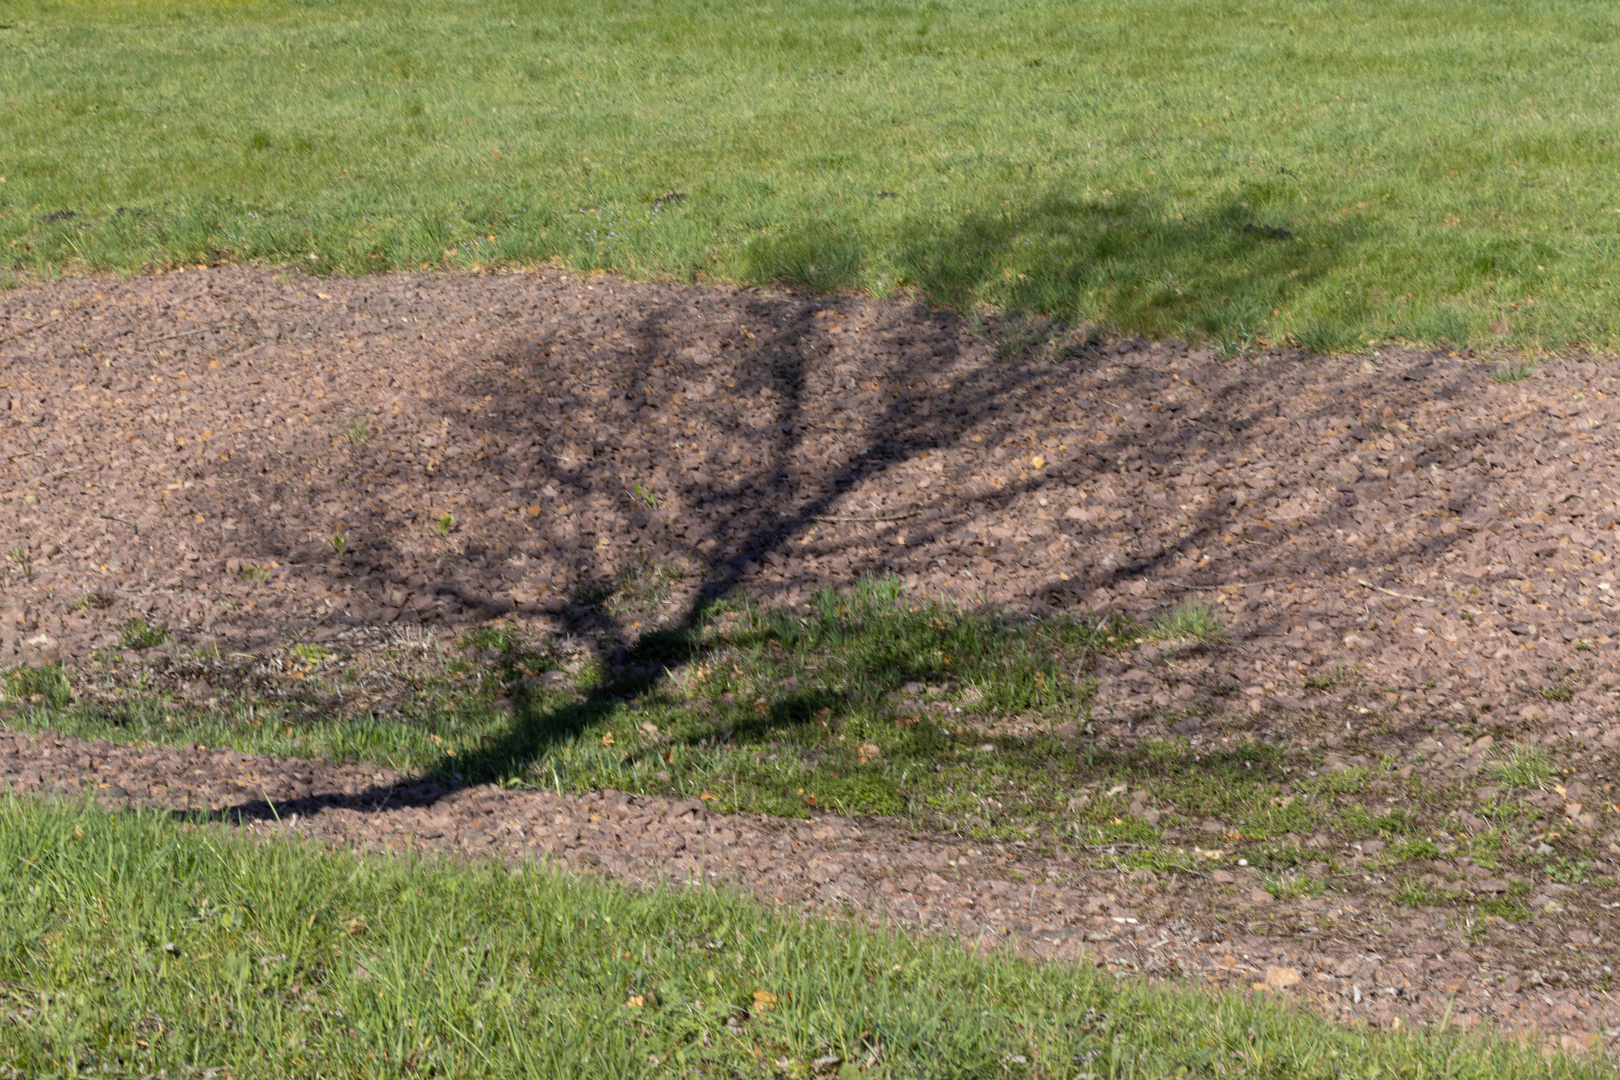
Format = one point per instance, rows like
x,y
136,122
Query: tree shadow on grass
x,y
850,653
823,259
1132,260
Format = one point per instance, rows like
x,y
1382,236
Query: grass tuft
x,y
1292,886
47,685
1559,691
1188,619
1510,373
1328,678
310,653
1523,765
1416,893
96,599
141,633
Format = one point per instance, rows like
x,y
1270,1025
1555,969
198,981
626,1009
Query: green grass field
x,y
133,944
1336,174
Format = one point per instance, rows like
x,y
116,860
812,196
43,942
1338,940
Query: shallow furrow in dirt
x,y
1350,955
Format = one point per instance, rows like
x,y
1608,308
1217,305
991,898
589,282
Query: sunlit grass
x,y
1188,619
135,945
1522,765
1335,174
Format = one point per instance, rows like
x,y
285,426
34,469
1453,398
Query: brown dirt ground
x,y
186,445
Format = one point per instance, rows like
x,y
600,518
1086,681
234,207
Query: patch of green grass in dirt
x,y
1513,372
1524,765
1292,886
1414,848
1560,691
1188,619
1415,893
1513,909
95,600
46,686
1348,781
869,701
450,715
140,633
1567,871
1328,678
1334,174
1486,848
851,699
134,944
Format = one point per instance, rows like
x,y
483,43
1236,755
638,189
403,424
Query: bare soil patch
x,y
190,446
1414,560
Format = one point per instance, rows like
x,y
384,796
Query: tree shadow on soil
x,y
690,445
735,516
700,441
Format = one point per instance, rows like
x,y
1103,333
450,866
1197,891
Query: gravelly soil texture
x,y
1349,955
483,444
1415,561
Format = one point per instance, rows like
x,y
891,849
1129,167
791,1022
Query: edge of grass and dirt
x,y
867,701
1332,178
136,942
871,703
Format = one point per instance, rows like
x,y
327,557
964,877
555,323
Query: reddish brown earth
x,y
1411,556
